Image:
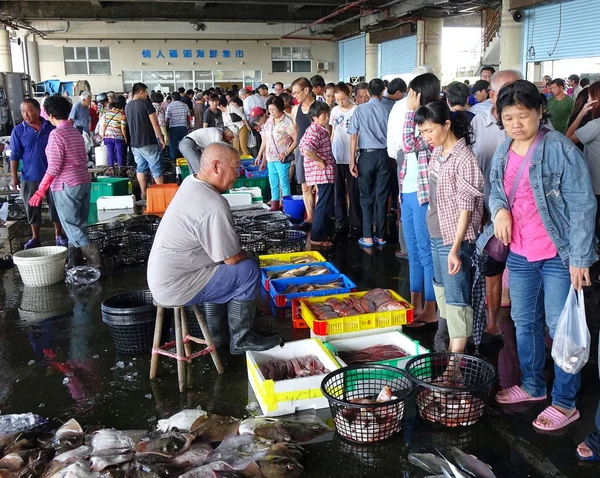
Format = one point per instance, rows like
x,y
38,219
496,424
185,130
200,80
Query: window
x,y
90,60
291,59
169,81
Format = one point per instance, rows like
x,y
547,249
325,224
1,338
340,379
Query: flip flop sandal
x,y
558,419
321,245
426,327
594,457
517,395
365,244
380,242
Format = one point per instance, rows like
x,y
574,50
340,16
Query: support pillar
x,y
5,56
511,40
33,61
371,59
429,43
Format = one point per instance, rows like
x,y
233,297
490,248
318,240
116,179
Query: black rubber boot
x,y
241,320
92,256
74,257
216,318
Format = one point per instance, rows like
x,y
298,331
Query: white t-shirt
x,y
409,184
205,136
340,120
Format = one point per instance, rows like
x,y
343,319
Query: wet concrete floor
x,y
59,361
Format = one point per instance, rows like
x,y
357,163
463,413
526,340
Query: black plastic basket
x,y
288,240
110,229
148,228
270,217
361,421
98,238
267,227
241,221
451,388
127,250
130,318
16,207
252,242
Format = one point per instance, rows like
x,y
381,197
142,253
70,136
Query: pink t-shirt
x,y
529,236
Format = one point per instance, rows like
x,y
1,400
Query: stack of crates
x,y
105,186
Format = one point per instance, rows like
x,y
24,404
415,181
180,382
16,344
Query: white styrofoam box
x,y
238,199
253,190
359,333
107,214
115,202
284,397
408,345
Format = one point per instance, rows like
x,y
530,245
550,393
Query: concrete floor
x,y
98,392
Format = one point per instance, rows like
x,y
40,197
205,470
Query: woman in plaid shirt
x,y
455,209
319,170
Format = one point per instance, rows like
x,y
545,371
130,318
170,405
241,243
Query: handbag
x,y
290,157
495,248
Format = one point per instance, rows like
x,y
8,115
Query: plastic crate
x,y
255,172
262,183
92,214
285,300
159,196
354,323
266,281
274,259
108,186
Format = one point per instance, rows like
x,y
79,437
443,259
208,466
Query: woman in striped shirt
x,y
114,134
68,178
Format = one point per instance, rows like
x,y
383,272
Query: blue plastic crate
x,y
247,162
266,281
277,286
255,172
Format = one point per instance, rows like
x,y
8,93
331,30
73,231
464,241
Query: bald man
x,y
196,257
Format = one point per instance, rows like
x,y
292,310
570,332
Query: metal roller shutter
x,y
352,57
577,22
398,57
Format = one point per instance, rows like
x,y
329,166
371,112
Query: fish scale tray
x,y
354,323
265,270
277,287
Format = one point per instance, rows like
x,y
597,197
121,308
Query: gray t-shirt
x,y
195,236
589,135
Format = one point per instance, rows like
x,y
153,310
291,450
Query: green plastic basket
x,y
106,186
262,183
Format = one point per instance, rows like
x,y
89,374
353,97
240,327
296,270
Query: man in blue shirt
x,y
28,143
80,113
368,131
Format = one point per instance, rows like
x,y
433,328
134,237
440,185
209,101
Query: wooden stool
x,y
182,341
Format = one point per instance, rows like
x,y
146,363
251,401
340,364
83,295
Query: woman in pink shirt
x,y
549,230
69,179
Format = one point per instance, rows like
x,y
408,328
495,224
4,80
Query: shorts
x,y
148,158
299,162
493,267
34,214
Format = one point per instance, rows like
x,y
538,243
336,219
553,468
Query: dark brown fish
x,y
216,428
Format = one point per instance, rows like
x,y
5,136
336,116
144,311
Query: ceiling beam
x,y
294,7
319,3
179,11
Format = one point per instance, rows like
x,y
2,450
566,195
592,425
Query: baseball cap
x,y
255,115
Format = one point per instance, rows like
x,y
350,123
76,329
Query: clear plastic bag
x,y
571,346
4,213
82,276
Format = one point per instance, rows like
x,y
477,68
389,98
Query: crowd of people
x,y
451,160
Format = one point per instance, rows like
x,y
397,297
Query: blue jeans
x,y
324,209
593,439
279,174
453,292
418,245
73,205
148,158
240,281
537,289
176,134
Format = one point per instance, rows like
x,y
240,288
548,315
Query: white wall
x,y
127,40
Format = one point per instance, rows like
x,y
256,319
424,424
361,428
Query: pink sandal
x,y
515,394
558,419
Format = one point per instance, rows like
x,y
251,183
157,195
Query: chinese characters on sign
x,y
186,53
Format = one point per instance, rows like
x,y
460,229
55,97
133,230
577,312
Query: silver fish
x,y
169,445
80,469
471,464
70,428
206,471
428,462
12,462
99,463
239,451
184,421
72,456
197,455
111,440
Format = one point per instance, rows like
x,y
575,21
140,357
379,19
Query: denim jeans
x,y
73,205
537,289
240,281
593,439
373,181
176,134
323,210
279,174
148,158
418,245
115,150
453,292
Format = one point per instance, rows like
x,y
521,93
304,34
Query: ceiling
x,y
279,11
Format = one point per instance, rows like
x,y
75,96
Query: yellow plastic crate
x,y
274,259
181,162
354,323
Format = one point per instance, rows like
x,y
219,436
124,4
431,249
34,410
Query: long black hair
x,y
521,93
438,112
428,85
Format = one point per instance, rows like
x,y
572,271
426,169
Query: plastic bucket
x,y
294,207
101,156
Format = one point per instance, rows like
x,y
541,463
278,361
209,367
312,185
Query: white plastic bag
x,y
571,346
4,212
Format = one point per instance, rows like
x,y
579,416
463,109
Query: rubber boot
x,y
92,256
74,257
274,206
241,320
216,318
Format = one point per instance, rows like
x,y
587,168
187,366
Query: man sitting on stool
x,y
194,143
196,257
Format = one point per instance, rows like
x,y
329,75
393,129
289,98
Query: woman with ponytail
x,y
455,207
